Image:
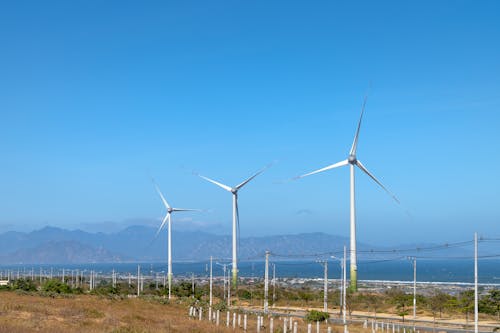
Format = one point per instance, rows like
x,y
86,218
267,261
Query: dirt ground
x,y
87,313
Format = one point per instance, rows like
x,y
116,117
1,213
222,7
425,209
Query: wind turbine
x,y
168,219
352,161
236,218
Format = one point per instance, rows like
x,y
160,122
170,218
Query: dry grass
x,y
86,313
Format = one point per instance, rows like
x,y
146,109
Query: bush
x,y
244,294
313,316
56,286
24,284
221,306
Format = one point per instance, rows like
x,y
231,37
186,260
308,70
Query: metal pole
x,y
266,284
325,287
475,285
224,280
414,288
274,284
210,282
235,248
138,280
344,291
341,286
192,282
228,290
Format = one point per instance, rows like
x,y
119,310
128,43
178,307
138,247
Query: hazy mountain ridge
x,y
63,252
138,243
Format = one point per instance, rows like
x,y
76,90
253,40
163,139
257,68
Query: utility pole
x,y
344,291
210,283
138,280
476,328
414,263
266,284
223,280
414,288
192,282
228,289
341,303
274,283
325,288
324,263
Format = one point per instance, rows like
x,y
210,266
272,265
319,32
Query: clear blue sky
x,y
96,97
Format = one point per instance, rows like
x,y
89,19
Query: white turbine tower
x,y
352,161
168,219
236,217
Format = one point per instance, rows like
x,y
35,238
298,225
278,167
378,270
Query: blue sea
x,y
395,270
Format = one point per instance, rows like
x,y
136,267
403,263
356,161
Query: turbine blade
x,y
227,188
255,175
355,141
185,210
365,170
161,196
162,224
333,166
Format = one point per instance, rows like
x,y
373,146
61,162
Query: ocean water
x,y
395,270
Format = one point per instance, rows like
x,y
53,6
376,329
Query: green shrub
x,y
24,284
313,316
56,286
221,306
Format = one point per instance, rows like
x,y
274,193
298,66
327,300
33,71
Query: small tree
x,y
437,302
466,303
402,301
491,303
374,302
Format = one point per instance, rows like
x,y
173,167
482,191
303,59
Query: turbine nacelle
x,y
170,210
352,159
234,190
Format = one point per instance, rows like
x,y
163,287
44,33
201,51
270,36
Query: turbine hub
x,y
170,210
352,159
234,191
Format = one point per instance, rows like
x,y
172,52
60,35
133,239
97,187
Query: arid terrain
x,y
89,313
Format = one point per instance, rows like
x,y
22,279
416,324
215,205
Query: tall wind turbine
x,y
168,219
236,217
352,161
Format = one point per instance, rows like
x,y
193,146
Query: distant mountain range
x,y
138,244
